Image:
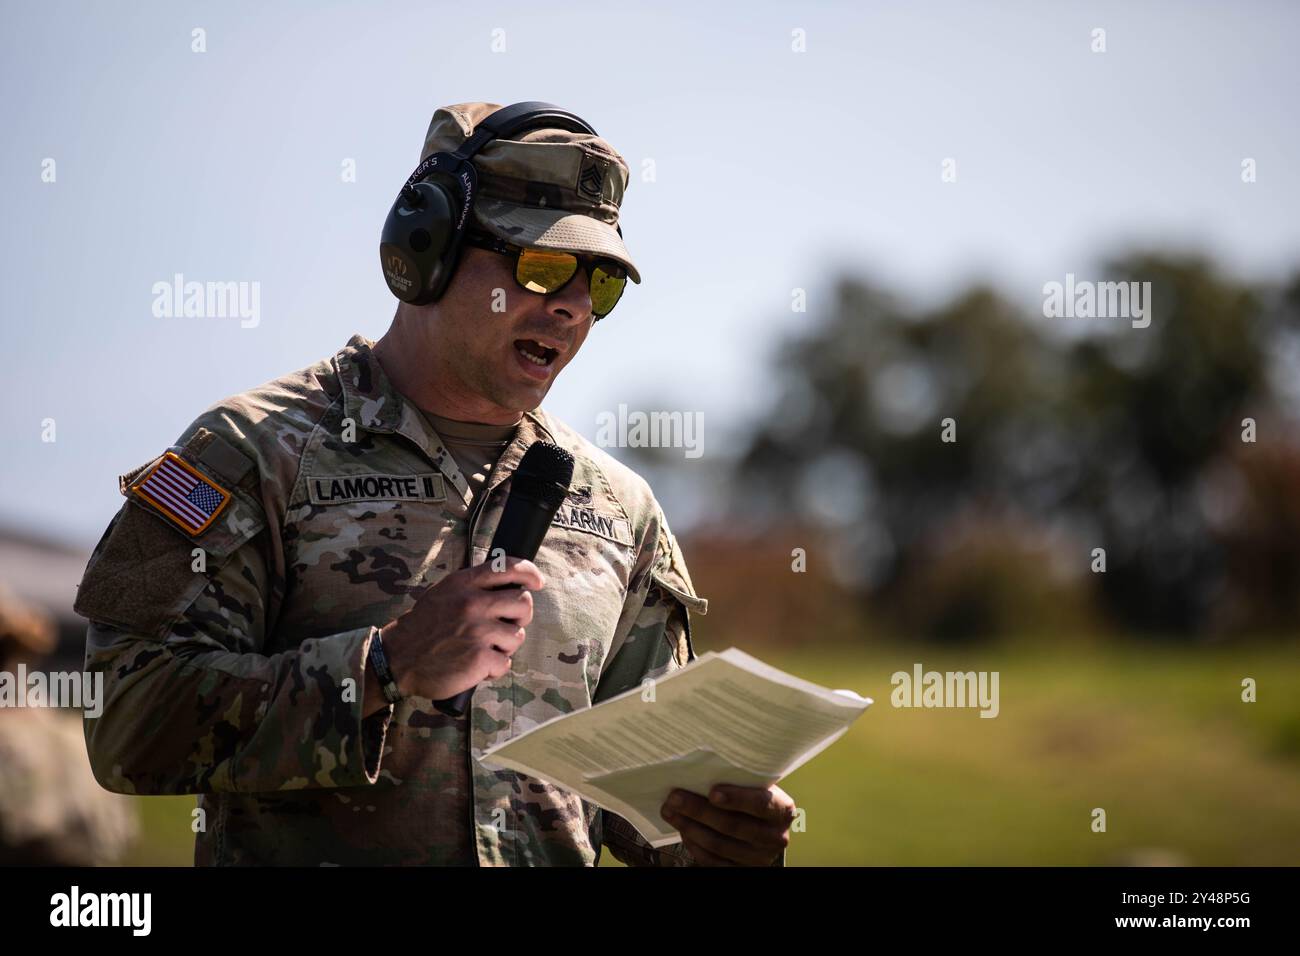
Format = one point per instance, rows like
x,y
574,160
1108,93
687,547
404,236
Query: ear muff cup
x,y
415,240
421,242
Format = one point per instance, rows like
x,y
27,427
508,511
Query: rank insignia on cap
x,y
182,494
592,178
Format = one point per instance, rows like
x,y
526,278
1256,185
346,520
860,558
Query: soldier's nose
x,y
573,302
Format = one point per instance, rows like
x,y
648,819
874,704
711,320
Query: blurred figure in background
x,y
52,812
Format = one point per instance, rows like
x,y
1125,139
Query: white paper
x,y
724,718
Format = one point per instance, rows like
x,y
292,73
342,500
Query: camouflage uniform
x,y
233,681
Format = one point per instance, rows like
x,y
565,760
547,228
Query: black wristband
x,y
383,673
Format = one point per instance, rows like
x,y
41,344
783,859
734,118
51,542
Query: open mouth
x,y
535,352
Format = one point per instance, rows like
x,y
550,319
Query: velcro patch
x,y
181,493
340,489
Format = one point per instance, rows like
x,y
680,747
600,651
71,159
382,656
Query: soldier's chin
x,y
521,397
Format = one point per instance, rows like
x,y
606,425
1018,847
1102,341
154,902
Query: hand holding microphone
x,y
464,629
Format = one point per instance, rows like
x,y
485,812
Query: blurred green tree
x,y
1063,436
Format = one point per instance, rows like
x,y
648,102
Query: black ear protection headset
x,y
423,234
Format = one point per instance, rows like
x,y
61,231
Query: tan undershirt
x,y
475,446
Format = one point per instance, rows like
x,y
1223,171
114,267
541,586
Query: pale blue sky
x,y
773,170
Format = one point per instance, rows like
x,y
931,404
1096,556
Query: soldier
x,y
289,588
51,811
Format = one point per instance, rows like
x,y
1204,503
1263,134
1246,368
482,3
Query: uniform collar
x,y
372,401
369,398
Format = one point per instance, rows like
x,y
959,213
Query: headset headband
x,y
505,122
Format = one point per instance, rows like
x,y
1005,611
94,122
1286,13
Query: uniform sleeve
x,y
658,643
192,701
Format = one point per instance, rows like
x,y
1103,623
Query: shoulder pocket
x,y
674,586
670,576
669,572
147,569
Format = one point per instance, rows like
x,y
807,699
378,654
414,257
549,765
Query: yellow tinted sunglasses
x,y
547,271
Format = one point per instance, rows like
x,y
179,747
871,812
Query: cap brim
x,y
554,229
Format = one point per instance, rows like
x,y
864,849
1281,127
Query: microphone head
x,y
544,473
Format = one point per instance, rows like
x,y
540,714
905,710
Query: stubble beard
x,y
481,380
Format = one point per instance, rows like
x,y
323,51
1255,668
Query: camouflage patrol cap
x,y
548,188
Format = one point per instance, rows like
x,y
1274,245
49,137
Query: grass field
x,y
1157,737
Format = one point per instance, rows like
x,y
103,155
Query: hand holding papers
x,y
725,718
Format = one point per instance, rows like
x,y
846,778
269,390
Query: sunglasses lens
x,y
546,271
543,271
607,283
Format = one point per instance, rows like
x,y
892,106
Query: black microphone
x,y
537,489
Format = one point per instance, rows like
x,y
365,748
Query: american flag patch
x,y
182,494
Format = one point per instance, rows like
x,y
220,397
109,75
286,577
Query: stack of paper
x,y
724,718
